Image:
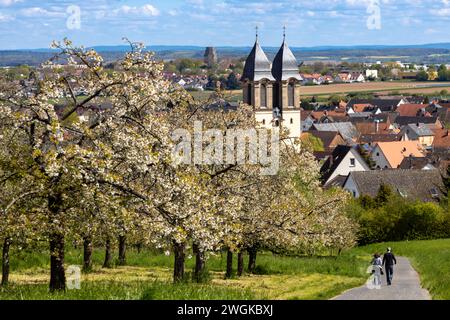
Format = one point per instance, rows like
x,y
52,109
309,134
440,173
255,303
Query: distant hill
x,y
426,53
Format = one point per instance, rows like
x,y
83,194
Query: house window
x,y
292,121
277,123
263,95
378,154
264,121
352,162
291,94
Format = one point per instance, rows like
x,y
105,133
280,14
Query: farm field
x,y
406,87
148,275
343,89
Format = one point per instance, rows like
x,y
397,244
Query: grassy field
x,y
148,275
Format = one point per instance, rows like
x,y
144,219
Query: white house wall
x,y
345,167
351,187
379,159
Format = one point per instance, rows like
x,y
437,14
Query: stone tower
x,y
273,89
210,56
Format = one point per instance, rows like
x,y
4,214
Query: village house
x,y
370,140
343,77
420,132
389,155
384,104
329,116
350,77
417,163
346,129
412,110
314,78
423,185
441,140
372,74
430,122
344,159
329,139
440,110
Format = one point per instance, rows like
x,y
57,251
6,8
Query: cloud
x,y
5,18
443,12
8,2
40,12
150,10
146,10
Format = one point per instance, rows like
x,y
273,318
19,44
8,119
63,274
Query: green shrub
x,y
392,218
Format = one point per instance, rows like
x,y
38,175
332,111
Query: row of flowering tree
x,y
68,171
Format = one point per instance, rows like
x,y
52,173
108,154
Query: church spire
x,y
285,65
257,66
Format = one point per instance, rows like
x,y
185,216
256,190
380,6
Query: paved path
x,y
405,286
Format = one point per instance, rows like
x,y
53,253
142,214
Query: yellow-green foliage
x,y
313,143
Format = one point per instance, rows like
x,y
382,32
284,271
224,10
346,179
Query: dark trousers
x,y
389,273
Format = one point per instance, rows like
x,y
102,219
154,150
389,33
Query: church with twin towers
x,y
273,88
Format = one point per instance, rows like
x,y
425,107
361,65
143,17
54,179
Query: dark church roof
x,y
285,65
257,66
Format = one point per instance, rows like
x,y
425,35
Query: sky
x,y
35,24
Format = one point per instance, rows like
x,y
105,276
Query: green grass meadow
x,y
147,275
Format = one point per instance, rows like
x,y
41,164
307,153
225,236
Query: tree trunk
x,y
229,272
87,253
57,272
180,255
200,264
252,259
240,268
5,262
108,257
122,250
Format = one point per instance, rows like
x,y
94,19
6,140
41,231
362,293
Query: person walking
x,y
377,270
388,262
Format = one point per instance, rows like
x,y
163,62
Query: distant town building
x,y
372,74
210,56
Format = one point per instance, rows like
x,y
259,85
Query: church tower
x,y
257,79
286,89
273,89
